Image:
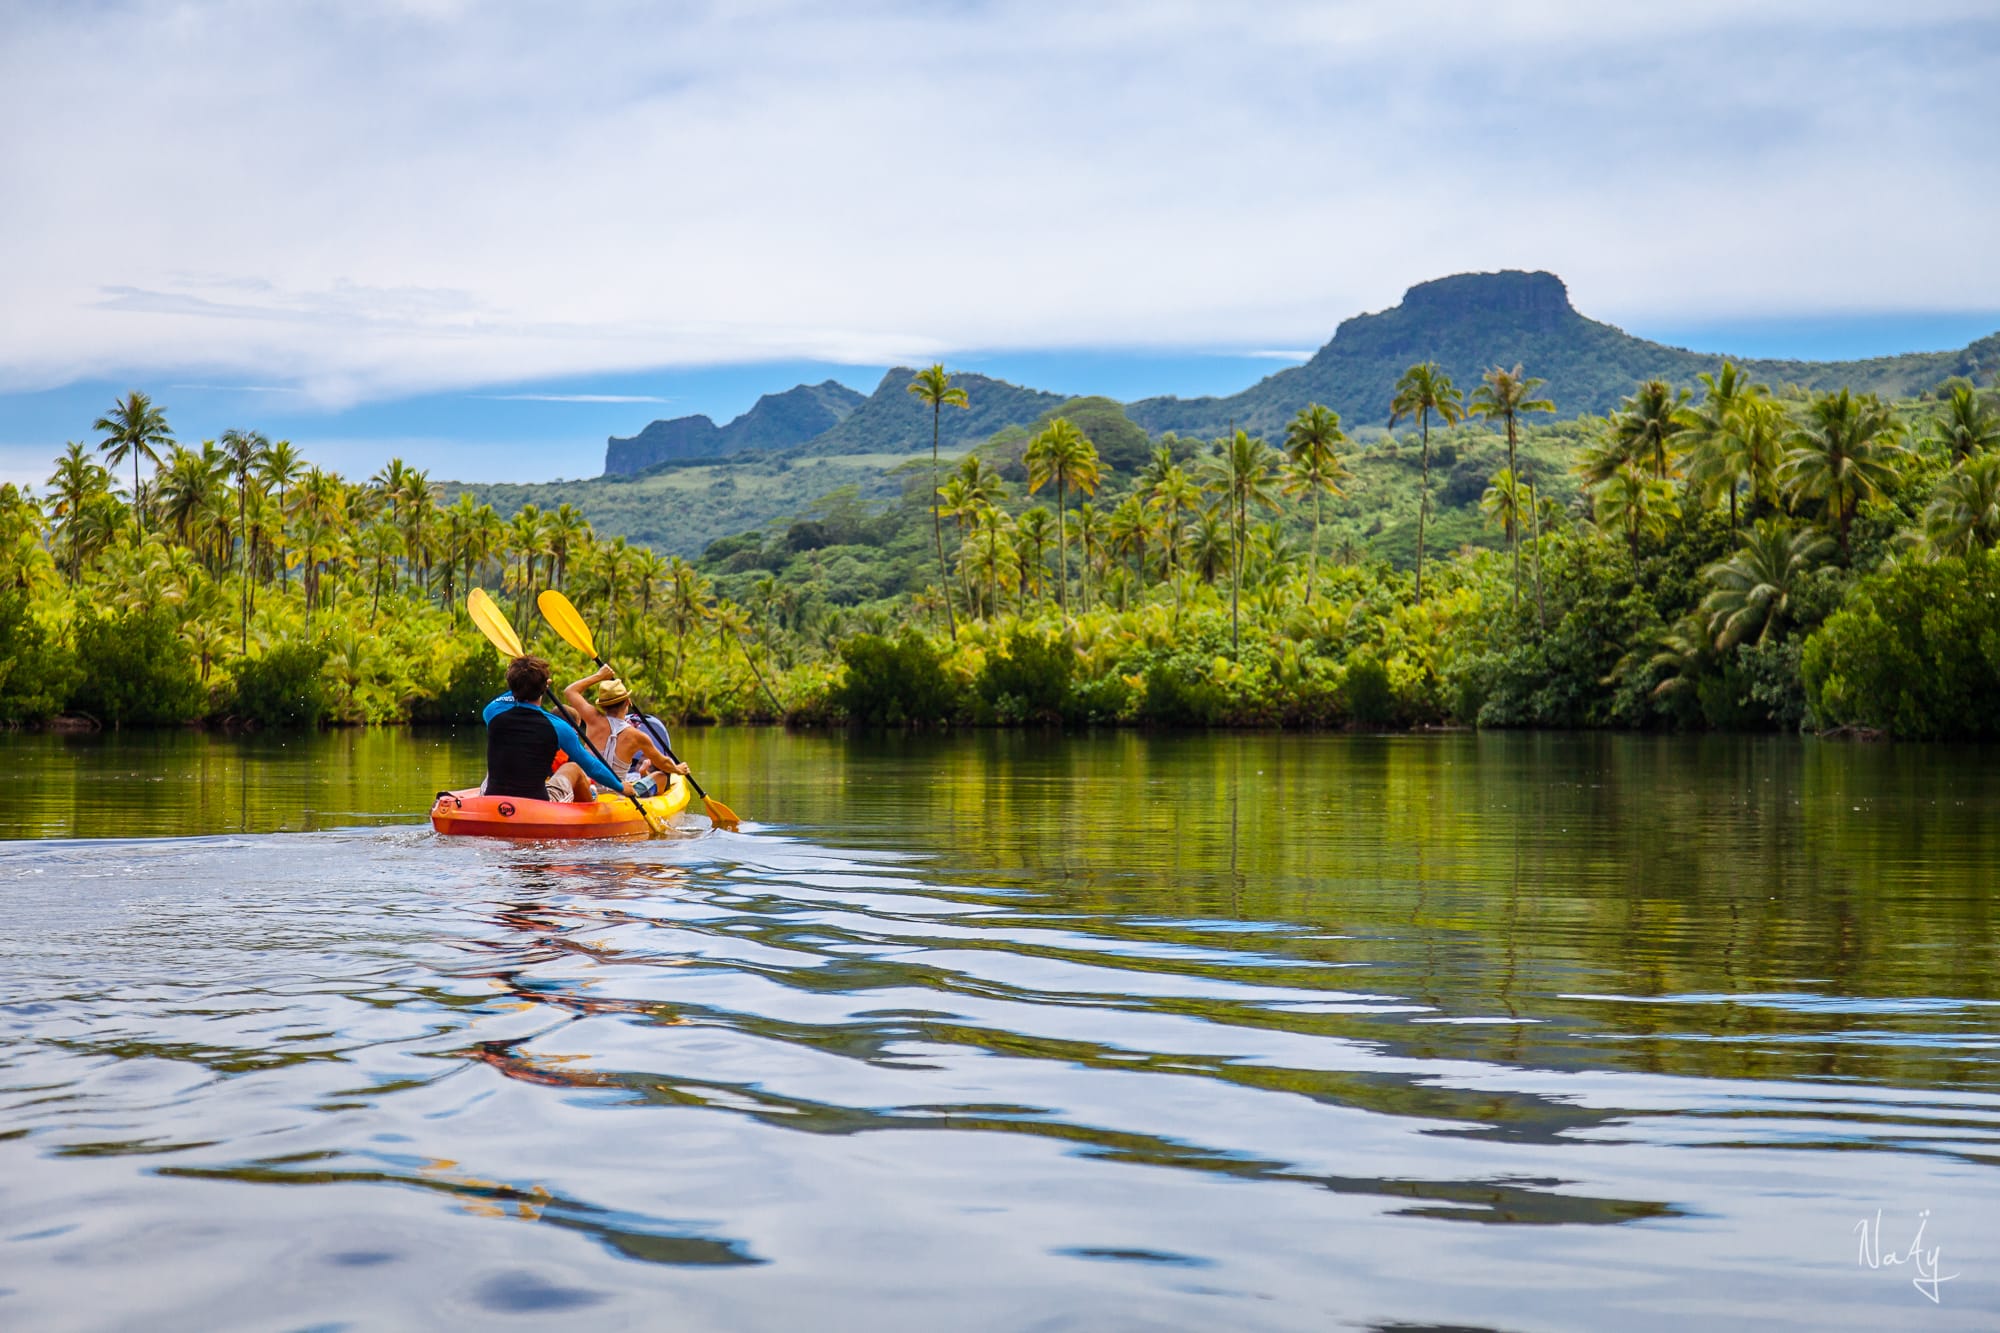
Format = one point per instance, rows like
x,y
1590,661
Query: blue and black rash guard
x,y
521,744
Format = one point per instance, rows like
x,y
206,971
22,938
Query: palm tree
x,y
245,451
1425,391
1091,524
933,386
1753,589
1646,425
1635,504
1844,452
1210,549
1032,533
1125,531
1965,426
1312,443
992,533
1964,512
1241,471
79,482
1061,453
1504,504
1507,394
527,539
135,428
1714,430
281,466
567,529
188,481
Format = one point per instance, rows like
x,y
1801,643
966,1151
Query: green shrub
x,y
475,679
133,671
35,670
1370,697
895,682
1179,693
1032,679
283,689
1916,651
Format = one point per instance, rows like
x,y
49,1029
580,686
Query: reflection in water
x,y
1005,1031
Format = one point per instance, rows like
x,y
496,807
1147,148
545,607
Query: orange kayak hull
x,y
469,814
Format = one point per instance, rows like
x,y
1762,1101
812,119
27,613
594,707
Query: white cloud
x,y
381,198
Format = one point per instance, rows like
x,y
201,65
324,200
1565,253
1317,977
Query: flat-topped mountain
x,y
776,421
1473,321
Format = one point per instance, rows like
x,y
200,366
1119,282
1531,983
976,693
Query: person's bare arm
x,y
595,728
643,744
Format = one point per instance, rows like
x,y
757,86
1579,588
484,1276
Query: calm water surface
x,y
1006,1032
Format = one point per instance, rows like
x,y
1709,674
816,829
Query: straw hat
x,y
612,691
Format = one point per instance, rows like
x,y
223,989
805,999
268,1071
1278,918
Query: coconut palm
x,y
1125,535
1844,452
1636,505
1505,504
1965,426
136,429
1091,528
1241,472
1713,430
934,386
1312,443
1424,392
78,484
281,466
1507,394
1964,512
1061,453
1647,425
1753,589
1210,548
568,531
1033,532
245,450
994,557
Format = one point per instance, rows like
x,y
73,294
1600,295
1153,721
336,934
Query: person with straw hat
x,y
629,745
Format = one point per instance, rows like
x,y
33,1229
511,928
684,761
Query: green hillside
x,y
894,421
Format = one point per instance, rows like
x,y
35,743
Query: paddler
x,y
631,745
522,740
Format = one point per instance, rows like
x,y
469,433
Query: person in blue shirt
x,y
522,740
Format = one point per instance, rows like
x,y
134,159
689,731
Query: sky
x,y
485,236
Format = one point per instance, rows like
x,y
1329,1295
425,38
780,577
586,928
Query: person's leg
x,y
579,785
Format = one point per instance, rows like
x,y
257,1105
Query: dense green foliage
x,y
1916,651
1713,556
283,688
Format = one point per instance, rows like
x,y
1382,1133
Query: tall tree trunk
x,y
1535,522
1514,503
1062,550
937,526
1424,500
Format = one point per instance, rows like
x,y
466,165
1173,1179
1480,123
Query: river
x,y
1006,1031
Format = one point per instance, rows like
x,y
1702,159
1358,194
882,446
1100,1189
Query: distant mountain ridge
x,y
776,421
1467,323
892,420
1471,322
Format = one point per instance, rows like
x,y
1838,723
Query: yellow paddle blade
x,y
719,814
493,623
559,613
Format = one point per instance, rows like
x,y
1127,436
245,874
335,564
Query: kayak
x,y
470,813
